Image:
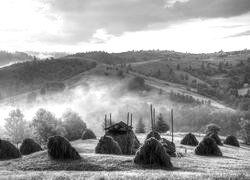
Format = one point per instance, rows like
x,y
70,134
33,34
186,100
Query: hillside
x,y
32,75
9,58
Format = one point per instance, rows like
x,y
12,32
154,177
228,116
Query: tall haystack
x,y
29,146
208,147
60,148
88,134
152,152
168,146
232,140
107,145
154,134
190,140
8,150
123,134
215,137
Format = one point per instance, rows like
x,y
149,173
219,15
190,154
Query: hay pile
x,y
88,134
154,134
232,140
60,148
168,146
107,145
29,146
215,137
208,147
127,141
8,150
152,153
190,140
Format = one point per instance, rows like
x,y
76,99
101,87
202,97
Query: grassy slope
x,y
234,164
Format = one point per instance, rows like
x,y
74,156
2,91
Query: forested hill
x,y
7,57
32,75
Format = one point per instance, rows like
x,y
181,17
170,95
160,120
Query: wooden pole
x,y
154,118
172,124
128,119
131,119
105,122
151,116
110,121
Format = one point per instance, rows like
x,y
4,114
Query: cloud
x,y
245,33
82,18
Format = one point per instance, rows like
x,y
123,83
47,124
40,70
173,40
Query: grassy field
x,y
235,164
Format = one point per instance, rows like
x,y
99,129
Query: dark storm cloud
x,y
81,18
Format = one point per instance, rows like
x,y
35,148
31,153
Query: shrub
x,y
140,127
29,146
208,147
60,148
190,140
245,130
73,125
8,151
212,128
152,153
137,83
88,134
168,146
161,125
107,145
154,134
232,140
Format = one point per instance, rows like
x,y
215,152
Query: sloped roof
x,y
120,126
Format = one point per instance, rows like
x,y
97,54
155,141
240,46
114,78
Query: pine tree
x,y
161,125
140,127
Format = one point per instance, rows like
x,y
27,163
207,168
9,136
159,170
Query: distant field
x,y
235,164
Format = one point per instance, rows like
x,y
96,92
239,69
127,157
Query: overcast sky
x,y
121,25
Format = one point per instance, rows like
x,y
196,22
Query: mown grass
x,y
235,164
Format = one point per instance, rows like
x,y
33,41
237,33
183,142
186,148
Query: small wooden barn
x,y
123,133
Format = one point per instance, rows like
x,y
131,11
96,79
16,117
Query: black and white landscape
x,y
124,89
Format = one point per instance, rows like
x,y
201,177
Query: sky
x,y
197,26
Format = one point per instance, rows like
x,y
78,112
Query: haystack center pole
x,y
172,124
105,122
128,119
131,119
151,116
110,121
154,118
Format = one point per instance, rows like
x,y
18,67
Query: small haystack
x,y
232,140
154,134
123,134
107,145
190,140
8,150
208,147
60,148
88,134
168,146
152,153
29,146
215,137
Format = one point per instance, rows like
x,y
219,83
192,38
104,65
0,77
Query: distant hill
x,y
9,58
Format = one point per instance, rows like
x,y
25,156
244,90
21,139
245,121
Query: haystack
x,y
208,147
154,134
107,145
124,136
29,146
152,153
60,148
232,140
8,150
215,137
190,140
88,134
168,146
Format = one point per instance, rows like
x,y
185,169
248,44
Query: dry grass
x,y
235,164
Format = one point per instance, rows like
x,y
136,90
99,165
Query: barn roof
x,y
120,126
